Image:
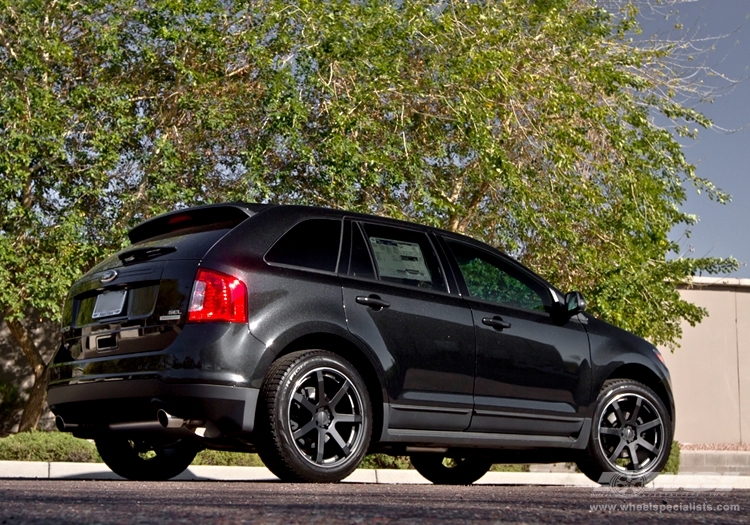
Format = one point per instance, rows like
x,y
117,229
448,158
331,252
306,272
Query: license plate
x,y
109,303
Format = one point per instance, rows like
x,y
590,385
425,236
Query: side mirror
x,y
574,303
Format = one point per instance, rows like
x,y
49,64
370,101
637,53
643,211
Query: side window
x,y
313,243
404,257
490,279
360,263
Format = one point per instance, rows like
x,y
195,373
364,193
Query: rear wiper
x,y
143,254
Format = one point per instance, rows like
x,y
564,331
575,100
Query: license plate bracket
x,y
109,304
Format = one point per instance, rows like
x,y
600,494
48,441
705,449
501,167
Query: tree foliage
x,y
526,123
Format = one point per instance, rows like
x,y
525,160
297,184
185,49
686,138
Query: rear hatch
x,y
137,300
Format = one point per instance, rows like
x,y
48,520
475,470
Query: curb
x,y
98,471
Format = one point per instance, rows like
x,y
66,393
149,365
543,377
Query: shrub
x,y
47,446
227,459
673,463
509,468
386,461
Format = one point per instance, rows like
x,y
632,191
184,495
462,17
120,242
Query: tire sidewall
x,y
283,430
595,448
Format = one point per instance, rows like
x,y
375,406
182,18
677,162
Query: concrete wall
x,y
711,369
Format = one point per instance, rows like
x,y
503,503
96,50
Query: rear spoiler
x,y
210,217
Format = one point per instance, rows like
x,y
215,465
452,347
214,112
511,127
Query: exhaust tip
x,y
62,426
168,420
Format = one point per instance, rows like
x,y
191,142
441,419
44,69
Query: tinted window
x,y
404,257
313,243
491,279
360,264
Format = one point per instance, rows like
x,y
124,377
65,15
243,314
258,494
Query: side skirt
x,y
490,440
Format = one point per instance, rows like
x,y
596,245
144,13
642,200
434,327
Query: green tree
x,y
109,112
526,123
529,124
43,187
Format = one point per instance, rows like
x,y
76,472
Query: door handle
x,y
496,322
373,301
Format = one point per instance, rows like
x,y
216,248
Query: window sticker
x,y
400,259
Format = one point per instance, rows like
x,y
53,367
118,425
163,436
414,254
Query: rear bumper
x,y
94,406
218,353
204,375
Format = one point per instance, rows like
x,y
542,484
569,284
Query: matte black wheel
x,y
631,435
143,461
314,420
450,471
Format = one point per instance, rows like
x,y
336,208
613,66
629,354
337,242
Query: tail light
x,y
217,297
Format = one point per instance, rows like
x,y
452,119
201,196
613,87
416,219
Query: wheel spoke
x,y
648,446
634,456
339,440
636,410
347,418
618,413
648,426
618,451
302,400
321,388
305,429
340,394
609,431
320,445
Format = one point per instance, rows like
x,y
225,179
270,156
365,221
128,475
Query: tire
x,y
450,471
142,461
314,418
631,435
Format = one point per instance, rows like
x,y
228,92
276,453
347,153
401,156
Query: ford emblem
x,y
109,275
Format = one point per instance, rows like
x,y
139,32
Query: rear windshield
x,y
189,221
185,245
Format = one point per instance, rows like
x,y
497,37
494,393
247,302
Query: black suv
x,y
315,336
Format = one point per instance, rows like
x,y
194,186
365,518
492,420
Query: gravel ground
x,y
282,503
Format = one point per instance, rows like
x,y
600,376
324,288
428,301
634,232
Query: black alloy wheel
x,y
144,461
450,471
631,435
315,418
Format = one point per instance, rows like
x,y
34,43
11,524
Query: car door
x,y
533,373
397,300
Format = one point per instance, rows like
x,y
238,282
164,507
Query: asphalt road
x,y
77,501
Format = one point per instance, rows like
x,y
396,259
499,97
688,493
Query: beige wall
x,y
711,369
743,361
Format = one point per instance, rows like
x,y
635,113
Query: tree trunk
x,y
36,402
38,395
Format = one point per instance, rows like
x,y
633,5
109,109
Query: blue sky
x,y
720,156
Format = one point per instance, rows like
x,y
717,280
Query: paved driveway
x,y
202,502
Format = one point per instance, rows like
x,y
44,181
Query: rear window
x,y
313,244
191,220
182,245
